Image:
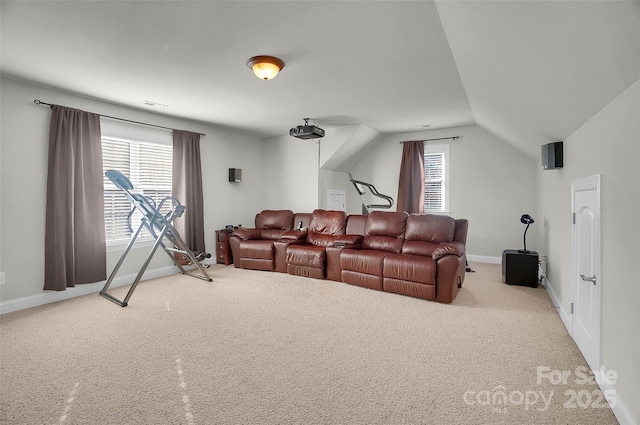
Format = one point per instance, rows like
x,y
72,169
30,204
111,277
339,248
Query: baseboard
x,y
47,297
620,409
564,316
484,259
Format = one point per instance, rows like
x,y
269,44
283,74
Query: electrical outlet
x,y
1,278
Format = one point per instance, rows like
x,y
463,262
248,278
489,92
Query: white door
x,y
336,200
586,275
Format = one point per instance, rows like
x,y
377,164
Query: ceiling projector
x,y
306,131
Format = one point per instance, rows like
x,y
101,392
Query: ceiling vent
x,y
154,104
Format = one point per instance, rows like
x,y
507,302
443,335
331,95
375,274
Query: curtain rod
x,y
39,102
430,140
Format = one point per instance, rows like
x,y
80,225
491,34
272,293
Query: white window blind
x,y
142,154
436,183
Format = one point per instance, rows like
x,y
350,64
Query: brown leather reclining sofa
x,y
417,255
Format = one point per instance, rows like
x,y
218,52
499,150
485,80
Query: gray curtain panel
x,y
411,182
187,188
75,248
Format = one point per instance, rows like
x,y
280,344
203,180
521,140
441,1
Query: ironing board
x,y
160,226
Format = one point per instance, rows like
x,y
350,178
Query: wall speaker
x,y
552,156
235,175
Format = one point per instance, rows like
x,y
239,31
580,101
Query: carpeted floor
x,y
268,348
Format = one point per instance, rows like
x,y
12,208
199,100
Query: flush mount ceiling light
x,y
265,67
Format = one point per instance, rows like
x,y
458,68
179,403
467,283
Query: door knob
x,y
591,279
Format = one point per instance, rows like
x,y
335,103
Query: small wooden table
x,y
223,248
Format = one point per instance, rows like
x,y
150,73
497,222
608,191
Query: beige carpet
x,y
268,348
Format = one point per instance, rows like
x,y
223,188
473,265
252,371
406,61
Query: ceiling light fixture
x,y
265,67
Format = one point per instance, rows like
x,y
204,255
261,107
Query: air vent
x,y
154,104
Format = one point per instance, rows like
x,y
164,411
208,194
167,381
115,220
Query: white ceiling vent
x,y
154,104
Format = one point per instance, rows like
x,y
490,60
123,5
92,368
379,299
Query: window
x,y
436,178
142,154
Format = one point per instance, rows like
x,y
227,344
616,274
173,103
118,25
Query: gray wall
x,y
23,178
291,174
492,185
608,144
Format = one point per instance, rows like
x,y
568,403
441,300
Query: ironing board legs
x,y
117,267
182,249
167,231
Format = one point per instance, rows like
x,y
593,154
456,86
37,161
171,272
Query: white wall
x,y
340,147
492,185
336,180
608,144
23,178
291,174
292,169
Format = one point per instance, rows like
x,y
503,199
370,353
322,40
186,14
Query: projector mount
x,y
306,131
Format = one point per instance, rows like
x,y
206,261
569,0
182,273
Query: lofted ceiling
x,y
528,71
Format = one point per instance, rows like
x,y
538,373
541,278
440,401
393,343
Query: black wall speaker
x,y
552,156
235,175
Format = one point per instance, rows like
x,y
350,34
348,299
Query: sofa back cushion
x,y
275,219
430,228
425,233
325,226
384,231
273,223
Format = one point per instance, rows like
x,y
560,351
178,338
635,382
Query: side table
x,y
223,249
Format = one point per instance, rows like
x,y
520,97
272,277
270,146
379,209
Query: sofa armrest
x,y
246,233
448,248
348,241
294,235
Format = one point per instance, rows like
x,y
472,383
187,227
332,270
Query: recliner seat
x,y
310,259
253,248
413,272
383,234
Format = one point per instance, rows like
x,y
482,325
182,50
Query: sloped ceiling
x,y
535,71
528,71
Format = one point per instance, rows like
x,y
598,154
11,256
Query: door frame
x,y
587,184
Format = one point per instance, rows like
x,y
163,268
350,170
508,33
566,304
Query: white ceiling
x,y
530,72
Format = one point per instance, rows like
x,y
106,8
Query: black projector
x,y
307,132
